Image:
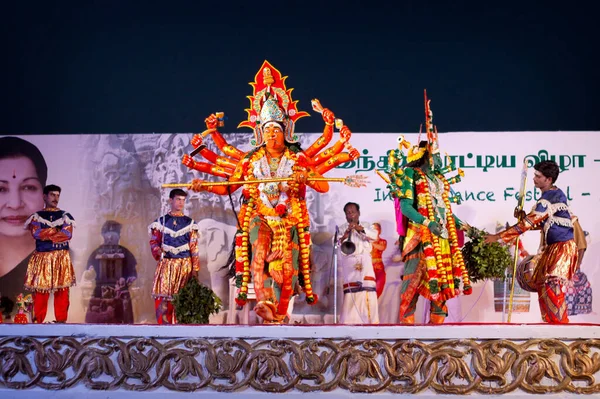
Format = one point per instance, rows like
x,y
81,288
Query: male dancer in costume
x,y
174,244
559,255
360,297
50,268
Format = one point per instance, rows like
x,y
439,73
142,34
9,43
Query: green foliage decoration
x,y
195,302
485,260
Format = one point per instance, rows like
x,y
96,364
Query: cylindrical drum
x,y
525,271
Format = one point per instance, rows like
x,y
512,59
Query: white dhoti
x,y
359,305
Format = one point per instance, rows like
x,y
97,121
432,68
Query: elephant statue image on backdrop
x,y
215,244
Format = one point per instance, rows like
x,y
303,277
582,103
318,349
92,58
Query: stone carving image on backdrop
x,y
114,268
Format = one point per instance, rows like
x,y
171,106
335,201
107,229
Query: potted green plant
x,y
195,302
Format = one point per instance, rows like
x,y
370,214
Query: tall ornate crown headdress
x,y
416,152
432,135
271,101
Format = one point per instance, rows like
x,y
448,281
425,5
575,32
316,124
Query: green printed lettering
x,y
564,161
347,165
578,160
489,162
381,195
462,161
475,196
508,193
529,195
367,162
501,161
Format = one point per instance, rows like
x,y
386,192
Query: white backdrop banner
x,y
111,185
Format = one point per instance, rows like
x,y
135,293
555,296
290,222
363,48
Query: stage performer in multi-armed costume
x,y
273,243
433,263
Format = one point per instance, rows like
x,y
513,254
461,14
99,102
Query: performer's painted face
x,y
437,161
20,194
51,199
274,137
540,181
177,203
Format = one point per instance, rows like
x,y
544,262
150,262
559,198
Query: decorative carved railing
x,y
461,360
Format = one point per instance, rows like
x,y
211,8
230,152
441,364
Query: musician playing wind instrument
x,y
273,244
356,268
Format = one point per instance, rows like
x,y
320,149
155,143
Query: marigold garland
x,y
429,250
242,257
296,214
444,272
459,262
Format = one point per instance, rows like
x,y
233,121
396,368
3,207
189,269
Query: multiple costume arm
x,y
271,101
314,162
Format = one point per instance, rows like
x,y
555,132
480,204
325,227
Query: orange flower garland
x,y
297,216
440,267
428,249
442,274
242,256
301,213
459,268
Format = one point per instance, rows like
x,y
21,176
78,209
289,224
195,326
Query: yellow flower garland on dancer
x,y
434,267
272,246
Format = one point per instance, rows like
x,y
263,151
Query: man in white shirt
x,y
356,270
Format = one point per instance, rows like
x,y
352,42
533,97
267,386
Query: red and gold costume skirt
x,y
557,260
50,271
170,276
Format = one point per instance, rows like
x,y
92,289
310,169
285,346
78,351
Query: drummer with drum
x,y
548,272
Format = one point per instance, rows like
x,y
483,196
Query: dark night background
x,y
128,67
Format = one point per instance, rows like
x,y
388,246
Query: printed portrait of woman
x,y
23,174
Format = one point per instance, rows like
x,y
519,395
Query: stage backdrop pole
x,y
335,275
